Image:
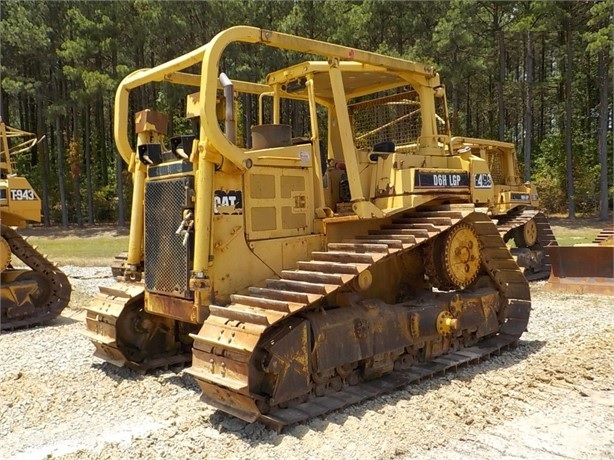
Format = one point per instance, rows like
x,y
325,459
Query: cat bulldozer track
x,y
30,296
315,340
584,268
300,274
531,233
37,294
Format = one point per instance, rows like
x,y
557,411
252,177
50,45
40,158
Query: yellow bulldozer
x,y
320,237
32,289
514,207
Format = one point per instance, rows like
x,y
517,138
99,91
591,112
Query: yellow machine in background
x,y
36,291
515,207
340,247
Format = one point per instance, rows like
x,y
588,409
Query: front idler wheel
x,y
526,236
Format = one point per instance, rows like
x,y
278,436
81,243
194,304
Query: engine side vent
x,y
168,261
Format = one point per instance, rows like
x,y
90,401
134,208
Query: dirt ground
x,y
551,397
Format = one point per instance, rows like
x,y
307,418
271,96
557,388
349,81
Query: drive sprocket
x,y
454,258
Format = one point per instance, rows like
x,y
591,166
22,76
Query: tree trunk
x,y
4,106
101,124
455,106
119,162
528,108
88,167
571,202
469,121
77,193
542,100
43,149
60,158
603,135
76,168
500,95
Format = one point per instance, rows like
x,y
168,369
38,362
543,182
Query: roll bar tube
x,y
210,55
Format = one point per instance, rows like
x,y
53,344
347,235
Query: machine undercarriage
x,y
32,295
313,340
530,231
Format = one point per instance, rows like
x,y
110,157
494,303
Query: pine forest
x,y
535,73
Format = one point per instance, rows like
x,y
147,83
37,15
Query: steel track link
x,y
545,237
516,219
58,281
250,316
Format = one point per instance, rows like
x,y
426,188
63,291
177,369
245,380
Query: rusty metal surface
x,y
246,369
582,269
150,120
173,307
40,296
279,418
115,327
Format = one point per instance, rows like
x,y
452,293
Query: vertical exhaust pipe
x,y
229,124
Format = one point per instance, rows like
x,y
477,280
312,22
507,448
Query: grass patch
x,y
577,232
570,240
83,252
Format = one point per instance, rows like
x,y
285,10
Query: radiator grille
x,y
167,261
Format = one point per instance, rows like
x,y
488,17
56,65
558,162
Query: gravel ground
x,y
551,397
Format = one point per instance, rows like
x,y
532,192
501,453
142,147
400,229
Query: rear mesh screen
x,y
167,260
